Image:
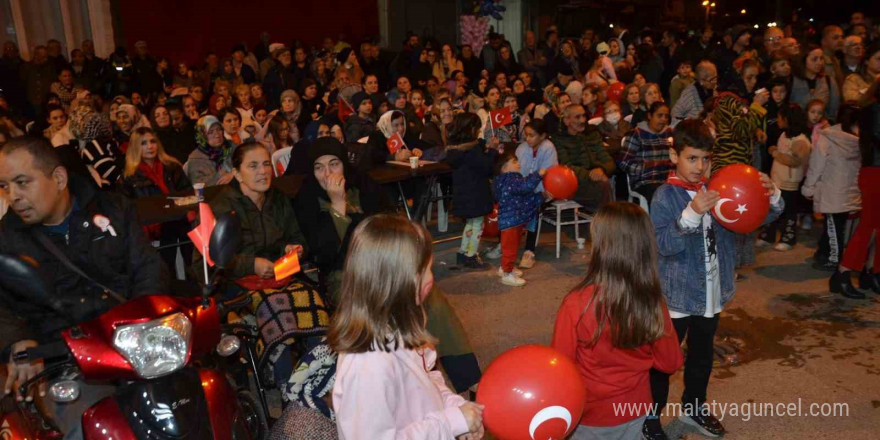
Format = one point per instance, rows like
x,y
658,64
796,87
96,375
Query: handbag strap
x,y
50,246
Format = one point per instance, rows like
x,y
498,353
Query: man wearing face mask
x,y
690,104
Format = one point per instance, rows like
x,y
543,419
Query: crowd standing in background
x,y
624,109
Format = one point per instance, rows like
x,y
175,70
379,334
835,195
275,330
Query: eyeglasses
x,y
773,39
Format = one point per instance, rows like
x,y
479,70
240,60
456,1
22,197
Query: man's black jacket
x,y
126,263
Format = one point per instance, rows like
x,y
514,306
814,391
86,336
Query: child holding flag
x,y
505,123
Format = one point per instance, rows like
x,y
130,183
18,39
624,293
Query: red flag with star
x,y
501,117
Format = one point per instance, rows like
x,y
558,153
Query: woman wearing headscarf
x,y
128,119
292,110
211,162
328,209
96,146
377,153
215,104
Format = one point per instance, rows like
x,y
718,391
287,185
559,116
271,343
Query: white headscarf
x,y
384,124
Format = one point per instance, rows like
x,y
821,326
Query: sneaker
x,y
515,271
653,430
761,243
528,260
475,263
511,279
782,247
493,253
706,424
807,223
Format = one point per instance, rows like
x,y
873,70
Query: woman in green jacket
x,y
269,229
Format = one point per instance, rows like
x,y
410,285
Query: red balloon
x,y
744,204
615,92
561,182
490,228
532,392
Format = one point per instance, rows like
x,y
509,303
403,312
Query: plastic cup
x,y
200,191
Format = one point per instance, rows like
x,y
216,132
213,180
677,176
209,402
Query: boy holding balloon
x,y
697,255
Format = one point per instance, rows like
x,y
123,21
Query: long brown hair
x,y
623,269
383,276
133,153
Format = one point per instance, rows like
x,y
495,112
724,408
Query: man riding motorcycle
x,y
88,246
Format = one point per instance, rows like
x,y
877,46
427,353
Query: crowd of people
x,y
645,115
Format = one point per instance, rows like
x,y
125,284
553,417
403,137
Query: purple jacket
x,y
517,201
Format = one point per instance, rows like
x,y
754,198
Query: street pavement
x,y
783,339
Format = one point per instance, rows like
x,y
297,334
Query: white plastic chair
x,y
442,213
280,159
578,218
635,197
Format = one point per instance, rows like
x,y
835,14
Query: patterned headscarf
x,y
87,125
217,155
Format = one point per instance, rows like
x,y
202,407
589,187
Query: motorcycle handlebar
x,y
46,351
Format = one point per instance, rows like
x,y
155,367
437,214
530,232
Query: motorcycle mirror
x,y
225,239
19,276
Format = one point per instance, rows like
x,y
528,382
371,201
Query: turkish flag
x,y
287,266
344,110
501,117
201,235
395,143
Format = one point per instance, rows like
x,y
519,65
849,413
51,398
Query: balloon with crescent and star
x,y
532,392
743,205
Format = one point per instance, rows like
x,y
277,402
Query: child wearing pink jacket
x,y
386,387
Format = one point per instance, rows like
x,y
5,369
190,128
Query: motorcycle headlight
x,y
157,347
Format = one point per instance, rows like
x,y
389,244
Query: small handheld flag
x,y
287,266
501,117
395,143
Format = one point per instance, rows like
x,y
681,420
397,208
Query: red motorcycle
x,y
148,348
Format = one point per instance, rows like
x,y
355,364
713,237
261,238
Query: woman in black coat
x,y
328,208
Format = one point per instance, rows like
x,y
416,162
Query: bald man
x,y
773,40
690,104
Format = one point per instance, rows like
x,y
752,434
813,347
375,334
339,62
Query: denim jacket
x,y
682,252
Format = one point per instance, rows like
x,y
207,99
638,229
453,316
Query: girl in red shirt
x,y
615,325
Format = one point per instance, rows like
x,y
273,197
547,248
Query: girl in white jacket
x,y
832,183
